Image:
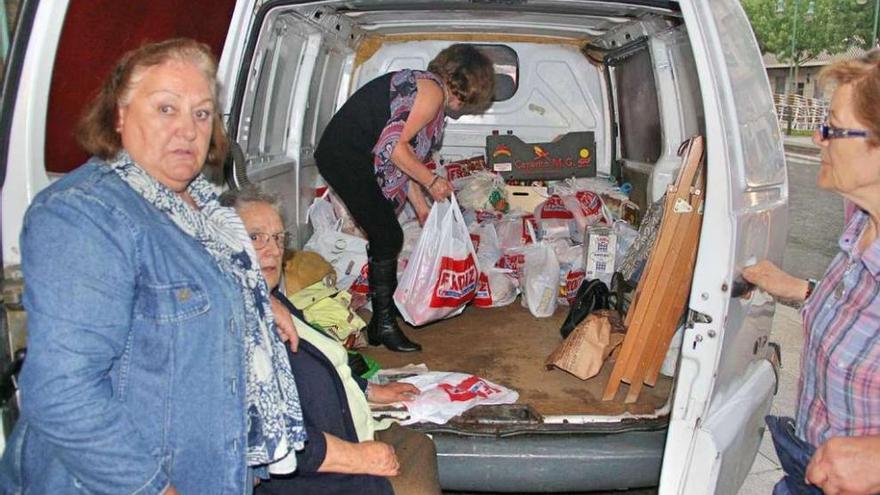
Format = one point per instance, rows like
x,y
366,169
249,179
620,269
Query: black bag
x,y
591,296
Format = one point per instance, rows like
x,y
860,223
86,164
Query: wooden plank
x,y
667,305
653,307
659,352
671,302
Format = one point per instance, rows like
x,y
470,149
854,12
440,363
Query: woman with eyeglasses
x,y
838,411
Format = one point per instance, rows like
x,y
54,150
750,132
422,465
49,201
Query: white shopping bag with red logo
x,y
445,395
588,209
553,219
442,275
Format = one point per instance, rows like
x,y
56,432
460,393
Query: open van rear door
x,y
725,379
59,54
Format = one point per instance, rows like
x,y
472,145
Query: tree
x,y
834,26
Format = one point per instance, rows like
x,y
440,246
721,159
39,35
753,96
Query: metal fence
x,y
805,113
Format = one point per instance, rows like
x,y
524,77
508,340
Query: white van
x,y
659,72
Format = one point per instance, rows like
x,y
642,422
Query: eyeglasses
x,y
261,239
830,132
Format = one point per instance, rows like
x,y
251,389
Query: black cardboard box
x,y
572,155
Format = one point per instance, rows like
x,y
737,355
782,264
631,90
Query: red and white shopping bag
x,y
442,275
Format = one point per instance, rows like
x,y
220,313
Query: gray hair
x,y
239,198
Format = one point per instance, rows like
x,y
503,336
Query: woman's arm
x,y
770,278
375,458
428,101
420,204
78,260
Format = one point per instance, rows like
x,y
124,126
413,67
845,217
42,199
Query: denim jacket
x,y
134,377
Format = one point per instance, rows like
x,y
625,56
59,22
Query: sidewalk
x,y
787,332
802,145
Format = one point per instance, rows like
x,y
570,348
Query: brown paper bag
x,y
586,348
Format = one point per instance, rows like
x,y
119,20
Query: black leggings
x,y
355,183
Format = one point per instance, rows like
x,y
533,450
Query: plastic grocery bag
x,y
322,216
540,279
497,288
445,395
442,274
554,219
347,254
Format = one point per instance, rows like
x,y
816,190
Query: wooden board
x,y
661,296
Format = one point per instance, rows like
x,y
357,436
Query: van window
x,y
506,64
637,107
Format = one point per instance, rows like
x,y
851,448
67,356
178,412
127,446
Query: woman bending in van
x,y
153,365
839,398
373,155
341,455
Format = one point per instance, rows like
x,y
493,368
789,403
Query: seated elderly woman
x,y
340,455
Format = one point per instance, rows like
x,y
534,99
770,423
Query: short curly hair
x,y
468,74
96,131
864,75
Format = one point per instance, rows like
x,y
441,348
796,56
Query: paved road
x,y
815,220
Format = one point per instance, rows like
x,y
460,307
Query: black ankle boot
x,y
383,328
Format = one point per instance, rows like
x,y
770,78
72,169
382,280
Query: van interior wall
x,y
89,48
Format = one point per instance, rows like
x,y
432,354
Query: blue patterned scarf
x,y
275,423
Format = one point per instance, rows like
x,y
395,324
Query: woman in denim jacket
x,y
153,365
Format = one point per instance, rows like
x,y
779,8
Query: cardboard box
x,y
572,155
526,198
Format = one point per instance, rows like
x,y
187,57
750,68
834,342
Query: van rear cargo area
x,y
508,346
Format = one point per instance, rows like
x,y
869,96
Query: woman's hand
x,y
379,459
776,282
439,188
375,458
284,323
391,392
847,465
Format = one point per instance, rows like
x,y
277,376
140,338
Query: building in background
x,y
807,106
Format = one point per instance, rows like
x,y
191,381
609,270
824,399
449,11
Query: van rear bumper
x,y
550,462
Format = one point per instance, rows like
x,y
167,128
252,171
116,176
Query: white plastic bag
x,y
497,288
349,226
571,272
347,254
442,274
554,219
540,279
513,230
445,395
322,215
485,240
588,209
481,191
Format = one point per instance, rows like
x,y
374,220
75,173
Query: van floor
x,y
508,346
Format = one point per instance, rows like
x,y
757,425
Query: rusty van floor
x,y
508,346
